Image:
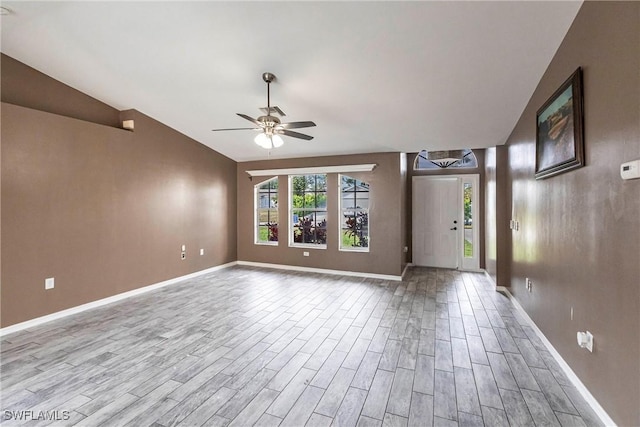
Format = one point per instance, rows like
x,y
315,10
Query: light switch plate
x,y
49,283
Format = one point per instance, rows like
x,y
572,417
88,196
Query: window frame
x,y
454,166
257,209
341,216
291,209
471,263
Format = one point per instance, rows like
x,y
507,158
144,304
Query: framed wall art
x,y
559,130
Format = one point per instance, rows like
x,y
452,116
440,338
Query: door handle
x,y
454,228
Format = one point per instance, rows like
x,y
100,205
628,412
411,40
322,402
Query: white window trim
x,y
320,170
269,243
293,244
256,225
307,245
340,248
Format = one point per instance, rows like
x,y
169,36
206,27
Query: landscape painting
x,y
559,142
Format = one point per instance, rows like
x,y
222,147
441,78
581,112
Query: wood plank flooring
x,y
246,346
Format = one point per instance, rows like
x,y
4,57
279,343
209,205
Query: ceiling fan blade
x,y
254,121
294,134
217,130
295,125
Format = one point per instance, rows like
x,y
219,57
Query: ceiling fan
x,y
270,126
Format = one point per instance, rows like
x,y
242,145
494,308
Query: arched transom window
x,y
448,159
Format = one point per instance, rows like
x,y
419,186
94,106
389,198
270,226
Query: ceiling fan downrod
x,y
268,78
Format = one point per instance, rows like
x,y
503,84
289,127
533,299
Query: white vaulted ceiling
x,y
374,76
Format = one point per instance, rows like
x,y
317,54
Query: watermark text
x,y
36,415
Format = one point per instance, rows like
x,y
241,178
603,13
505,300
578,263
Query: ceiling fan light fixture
x,y
263,140
277,141
268,141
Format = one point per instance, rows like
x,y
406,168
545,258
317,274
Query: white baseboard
x,y
321,270
599,410
94,304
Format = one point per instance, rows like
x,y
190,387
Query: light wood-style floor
x,y
246,346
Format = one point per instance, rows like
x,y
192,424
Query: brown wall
x,y
579,240
385,212
405,196
497,216
480,170
104,210
25,86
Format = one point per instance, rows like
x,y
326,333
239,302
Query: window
x,y
470,248
308,210
354,214
266,202
468,219
453,159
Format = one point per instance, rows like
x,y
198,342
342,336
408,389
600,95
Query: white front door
x,y
436,221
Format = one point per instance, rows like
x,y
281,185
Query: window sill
x,y
362,251
307,246
266,243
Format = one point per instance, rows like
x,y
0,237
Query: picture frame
x,y
560,131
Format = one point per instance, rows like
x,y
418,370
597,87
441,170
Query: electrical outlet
x,y
305,253
528,284
183,255
49,283
201,251
571,313
585,340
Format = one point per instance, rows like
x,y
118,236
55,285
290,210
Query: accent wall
x,y
579,235
101,209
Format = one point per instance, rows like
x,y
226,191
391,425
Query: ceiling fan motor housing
x,y
269,121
